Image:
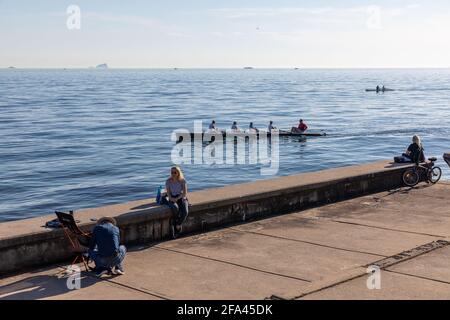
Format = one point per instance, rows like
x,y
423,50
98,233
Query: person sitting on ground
x,y
415,151
235,127
252,129
105,249
271,127
177,201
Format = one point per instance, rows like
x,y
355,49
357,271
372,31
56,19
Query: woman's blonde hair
x,y
180,173
416,140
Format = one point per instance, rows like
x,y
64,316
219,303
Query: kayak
x,y
281,133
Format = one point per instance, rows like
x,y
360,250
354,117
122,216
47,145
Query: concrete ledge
x,y
26,243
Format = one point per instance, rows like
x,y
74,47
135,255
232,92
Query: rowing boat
x,y
281,133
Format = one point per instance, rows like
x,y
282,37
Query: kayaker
x,y
415,151
271,127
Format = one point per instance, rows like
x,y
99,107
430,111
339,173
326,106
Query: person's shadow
x,y
42,286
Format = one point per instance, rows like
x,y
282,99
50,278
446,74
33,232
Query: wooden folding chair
x,y
76,237
447,158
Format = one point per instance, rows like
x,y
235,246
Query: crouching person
x,y
176,199
105,249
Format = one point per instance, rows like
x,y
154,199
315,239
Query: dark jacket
x,y
416,153
106,237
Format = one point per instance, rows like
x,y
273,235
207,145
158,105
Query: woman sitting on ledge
x,y
176,199
415,151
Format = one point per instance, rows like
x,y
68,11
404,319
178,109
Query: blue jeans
x,y
179,210
108,262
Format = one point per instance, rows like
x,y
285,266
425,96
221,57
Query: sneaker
x,y
102,271
119,272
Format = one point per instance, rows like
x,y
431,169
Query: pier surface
x,y
318,253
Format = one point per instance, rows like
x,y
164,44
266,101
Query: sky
x,y
225,34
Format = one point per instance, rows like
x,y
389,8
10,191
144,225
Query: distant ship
x,y
248,68
102,66
11,67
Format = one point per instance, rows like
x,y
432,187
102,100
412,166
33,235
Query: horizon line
x,y
225,68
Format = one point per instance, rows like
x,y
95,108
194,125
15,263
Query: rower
x,y
271,127
302,127
235,127
212,126
251,128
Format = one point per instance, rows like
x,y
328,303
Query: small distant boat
x,y
380,90
102,66
248,68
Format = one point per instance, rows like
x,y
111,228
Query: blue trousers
x,y
179,210
108,262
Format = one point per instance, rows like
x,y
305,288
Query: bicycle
x,y
428,171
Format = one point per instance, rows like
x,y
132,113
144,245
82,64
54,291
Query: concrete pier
x,y
318,253
308,236
26,243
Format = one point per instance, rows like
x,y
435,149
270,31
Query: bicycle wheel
x,y
411,177
434,174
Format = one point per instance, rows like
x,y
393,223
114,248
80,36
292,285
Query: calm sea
x,y
72,139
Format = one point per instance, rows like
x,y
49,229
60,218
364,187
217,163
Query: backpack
x,y
401,159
